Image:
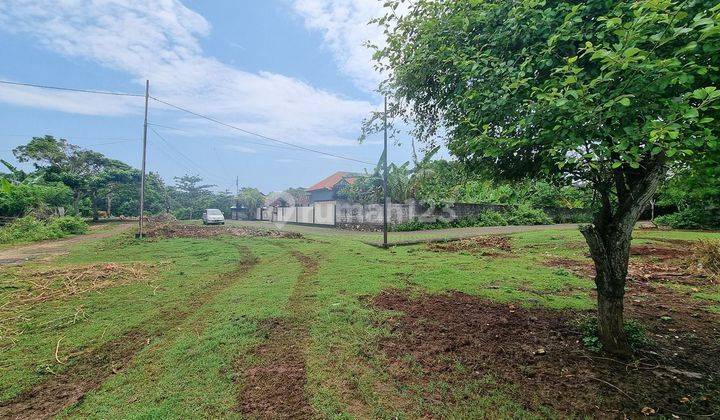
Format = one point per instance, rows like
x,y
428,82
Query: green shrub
x,y
486,218
635,332
30,229
526,215
690,218
68,225
492,218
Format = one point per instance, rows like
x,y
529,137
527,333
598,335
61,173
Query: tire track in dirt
x,y
275,387
48,398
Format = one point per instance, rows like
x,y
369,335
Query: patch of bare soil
x,y
538,352
642,271
484,245
275,387
662,253
182,230
89,368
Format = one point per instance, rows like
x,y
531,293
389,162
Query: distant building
x,y
327,189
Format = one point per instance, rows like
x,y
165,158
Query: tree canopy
x,y
609,94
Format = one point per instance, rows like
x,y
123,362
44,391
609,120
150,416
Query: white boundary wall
x,y
305,214
325,213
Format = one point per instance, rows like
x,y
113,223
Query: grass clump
x,y
588,325
31,229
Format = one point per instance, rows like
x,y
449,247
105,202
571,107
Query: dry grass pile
x,y
182,230
23,290
708,255
485,245
60,283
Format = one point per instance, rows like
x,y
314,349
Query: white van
x,y
212,217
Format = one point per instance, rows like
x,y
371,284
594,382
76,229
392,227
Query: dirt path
x,y
275,387
93,367
47,249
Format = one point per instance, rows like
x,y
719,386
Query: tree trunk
x,y
610,250
76,203
93,201
109,205
609,240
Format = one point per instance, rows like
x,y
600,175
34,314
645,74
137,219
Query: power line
x,y
258,134
276,146
101,92
97,92
197,166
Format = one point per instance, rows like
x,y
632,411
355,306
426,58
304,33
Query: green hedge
x,y
30,229
691,218
519,215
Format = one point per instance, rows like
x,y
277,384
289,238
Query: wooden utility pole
x,y
385,175
144,153
237,198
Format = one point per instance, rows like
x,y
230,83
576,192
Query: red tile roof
x,y
330,182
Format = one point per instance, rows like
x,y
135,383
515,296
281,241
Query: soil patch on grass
x,y
182,230
642,271
662,253
87,369
455,337
275,386
484,245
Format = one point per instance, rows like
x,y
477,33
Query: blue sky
x,y
295,70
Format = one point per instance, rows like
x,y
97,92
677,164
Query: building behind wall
x,y
328,188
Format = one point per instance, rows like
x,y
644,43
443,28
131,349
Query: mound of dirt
x,y
539,352
182,230
162,218
485,245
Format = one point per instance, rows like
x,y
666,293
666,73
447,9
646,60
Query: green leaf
x,y
631,52
624,101
690,113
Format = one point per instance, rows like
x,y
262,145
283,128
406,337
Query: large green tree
x,y
606,93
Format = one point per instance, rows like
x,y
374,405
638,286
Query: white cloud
x,y
159,40
241,149
346,30
73,102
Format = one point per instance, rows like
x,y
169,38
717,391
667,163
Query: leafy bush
x,y
486,218
411,225
635,332
24,198
30,229
690,218
68,225
526,215
492,218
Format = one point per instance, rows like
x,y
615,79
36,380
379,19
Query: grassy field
x,y
325,325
